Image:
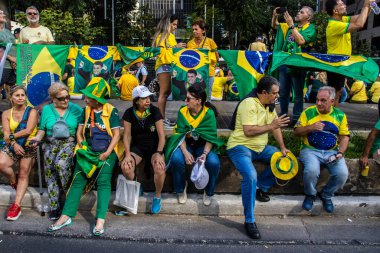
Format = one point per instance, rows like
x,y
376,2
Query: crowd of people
x,y
91,136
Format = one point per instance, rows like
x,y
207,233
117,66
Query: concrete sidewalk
x,y
222,204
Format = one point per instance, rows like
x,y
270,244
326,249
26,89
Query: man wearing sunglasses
x,y
35,33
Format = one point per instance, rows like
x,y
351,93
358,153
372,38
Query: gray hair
x,y
31,7
57,87
309,10
330,90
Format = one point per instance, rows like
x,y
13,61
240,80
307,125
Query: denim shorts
x,y
164,69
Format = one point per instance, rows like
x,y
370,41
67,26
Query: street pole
x,y
213,16
205,12
317,8
105,9
113,23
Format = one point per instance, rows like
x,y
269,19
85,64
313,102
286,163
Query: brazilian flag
x,y
92,61
282,29
132,55
38,66
188,63
248,67
355,66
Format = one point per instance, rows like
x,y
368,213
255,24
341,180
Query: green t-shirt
x,y
308,33
7,37
114,122
376,142
49,117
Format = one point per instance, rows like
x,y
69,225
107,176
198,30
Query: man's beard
x,y
36,20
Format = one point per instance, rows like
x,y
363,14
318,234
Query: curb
x,y
221,205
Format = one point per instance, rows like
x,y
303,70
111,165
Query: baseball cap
x,y
141,92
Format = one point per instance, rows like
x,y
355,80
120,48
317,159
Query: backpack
x,y
60,128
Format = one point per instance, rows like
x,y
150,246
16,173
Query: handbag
x,y
100,140
127,194
60,128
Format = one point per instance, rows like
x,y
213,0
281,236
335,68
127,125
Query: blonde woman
x,y
19,128
165,39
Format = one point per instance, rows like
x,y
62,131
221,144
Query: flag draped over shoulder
x,y
131,55
203,125
38,66
247,67
189,60
355,66
282,29
92,61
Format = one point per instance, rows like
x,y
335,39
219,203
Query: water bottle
x,y
375,8
365,171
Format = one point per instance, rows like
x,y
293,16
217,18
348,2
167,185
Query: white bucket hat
x,y
199,175
141,92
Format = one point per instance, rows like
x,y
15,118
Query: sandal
x,y
97,232
53,227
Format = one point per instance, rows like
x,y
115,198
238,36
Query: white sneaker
x,y
182,197
168,123
206,199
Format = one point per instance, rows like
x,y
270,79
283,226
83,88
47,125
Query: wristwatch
x,y
291,27
11,137
160,152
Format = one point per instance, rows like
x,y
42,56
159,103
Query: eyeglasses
x,y
63,98
32,13
189,98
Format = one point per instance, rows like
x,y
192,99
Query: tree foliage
x,y
65,28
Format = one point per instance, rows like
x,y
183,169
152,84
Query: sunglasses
x,y
189,98
32,13
63,98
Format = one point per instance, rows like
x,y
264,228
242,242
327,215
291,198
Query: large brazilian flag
x,y
131,55
38,66
185,60
88,56
248,67
355,66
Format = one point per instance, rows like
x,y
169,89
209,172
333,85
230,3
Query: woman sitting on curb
x,y
97,151
59,146
144,137
19,127
195,135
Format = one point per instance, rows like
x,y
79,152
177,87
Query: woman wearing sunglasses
x,y
19,127
58,147
195,138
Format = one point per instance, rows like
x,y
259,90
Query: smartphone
x,y
281,10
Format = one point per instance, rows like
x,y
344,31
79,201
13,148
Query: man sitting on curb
x,y
253,118
325,138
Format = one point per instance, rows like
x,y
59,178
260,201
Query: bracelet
x,y
160,152
291,27
340,153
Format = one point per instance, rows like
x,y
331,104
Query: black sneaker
x,y
262,196
54,214
252,230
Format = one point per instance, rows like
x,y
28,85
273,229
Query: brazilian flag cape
x,y
132,55
248,67
355,66
202,125
38,66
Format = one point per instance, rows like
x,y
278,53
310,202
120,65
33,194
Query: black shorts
x,y
143,152
336,80
9,77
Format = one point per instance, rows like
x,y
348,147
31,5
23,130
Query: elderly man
x,y
258,45
299,38
338,36
253,119
325,138
35,33
8,78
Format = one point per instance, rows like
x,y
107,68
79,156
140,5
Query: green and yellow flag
x,y
92,61
38,66
355,66
190,67
132,55
248,67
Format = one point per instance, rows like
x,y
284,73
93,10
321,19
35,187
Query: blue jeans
x,y
242,158
312,161
287,84
344,95
178,166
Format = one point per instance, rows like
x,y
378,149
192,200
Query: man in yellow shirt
x,y
338,36
35,33
258,45
126,84
254,118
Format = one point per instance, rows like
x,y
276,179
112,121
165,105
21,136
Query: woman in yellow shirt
x,y
374,92
200,40
165,39
358,92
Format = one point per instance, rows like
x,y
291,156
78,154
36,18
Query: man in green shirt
x,y
299,37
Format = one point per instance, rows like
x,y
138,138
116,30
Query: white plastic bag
x,y
199,175
127,194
